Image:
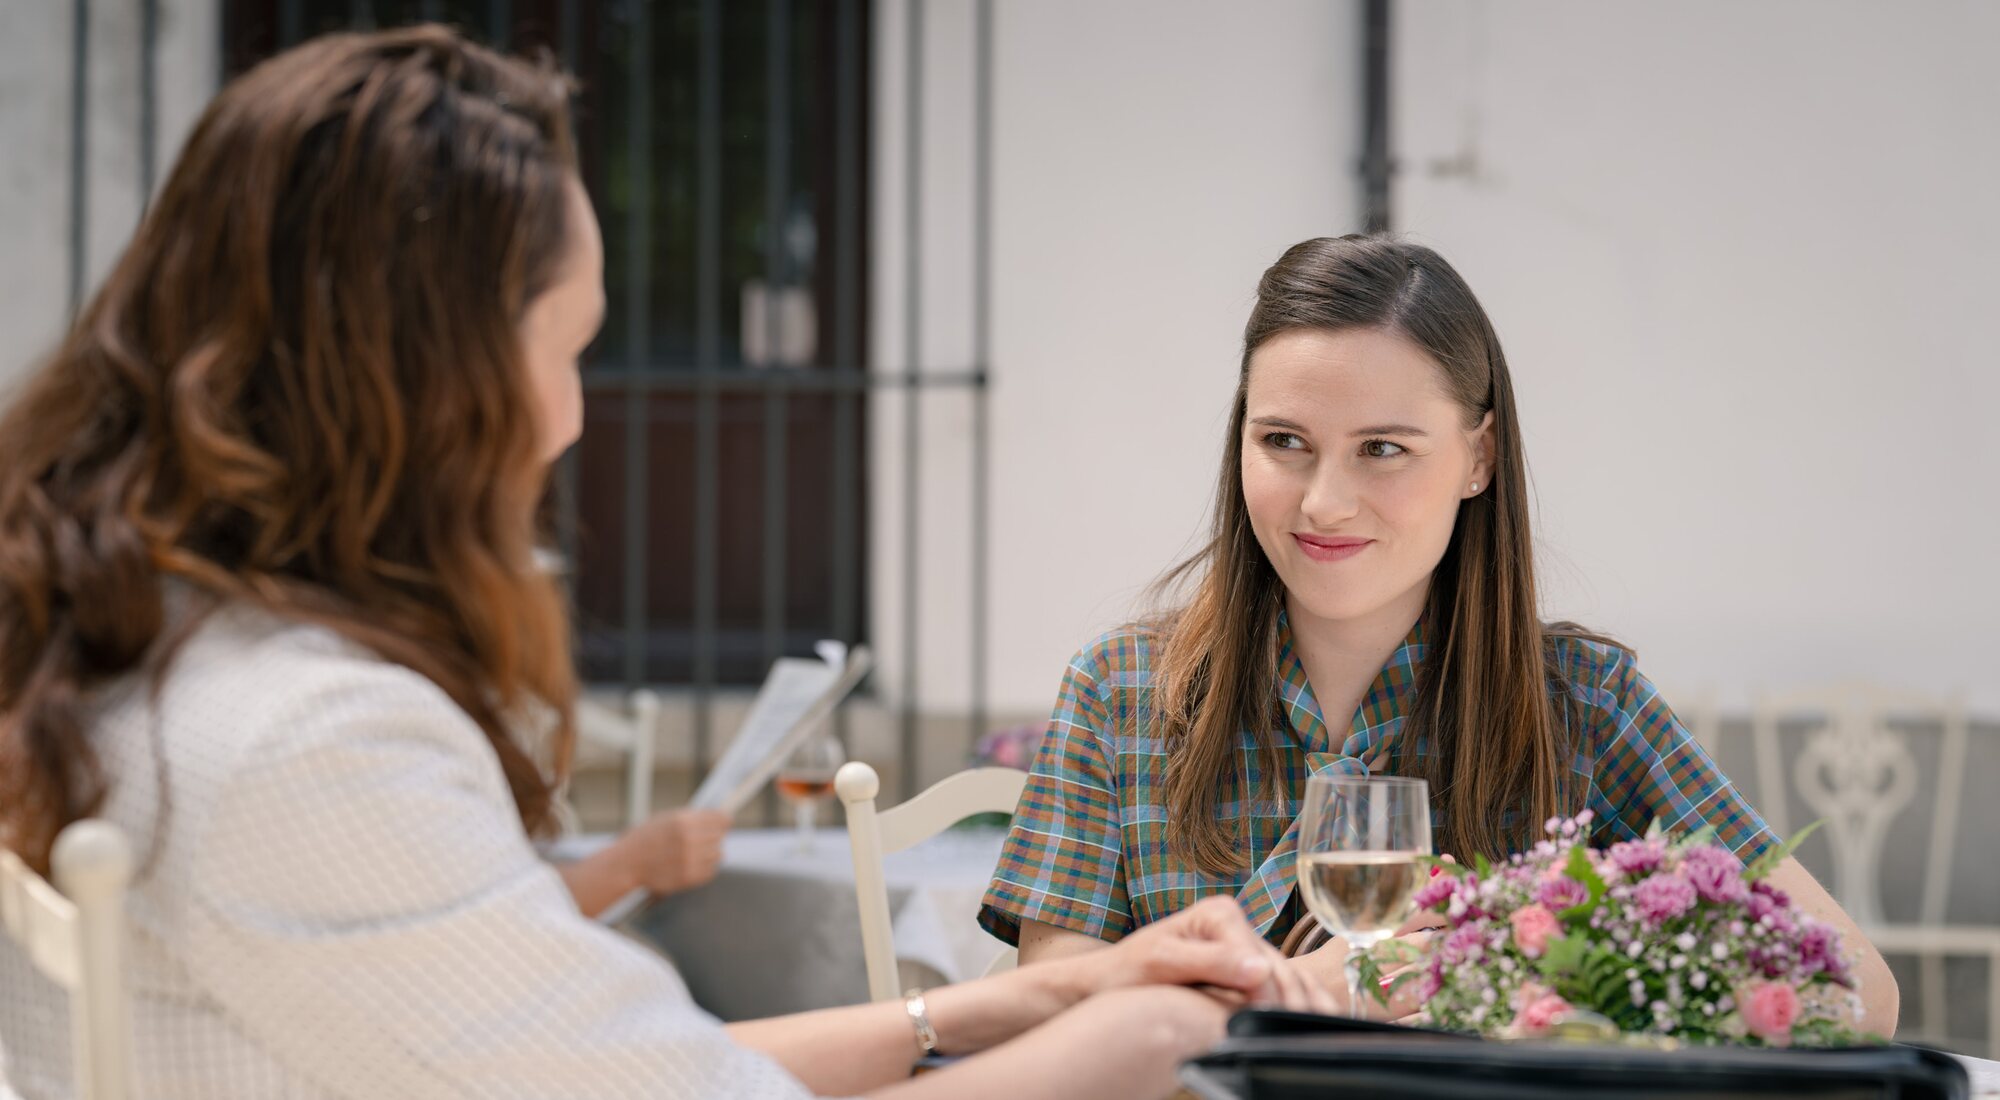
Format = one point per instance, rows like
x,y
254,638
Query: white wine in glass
x,y
1360,842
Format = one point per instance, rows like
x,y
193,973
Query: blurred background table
x,y
778,931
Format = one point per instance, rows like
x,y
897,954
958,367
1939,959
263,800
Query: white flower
x,y
1685,941
1635,948
1699,979
1677,961
1720,950
1632,975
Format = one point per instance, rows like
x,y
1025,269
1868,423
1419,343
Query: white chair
x,y
874,834
1855,772
74,932
633,733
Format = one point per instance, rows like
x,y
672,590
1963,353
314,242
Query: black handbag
x,y
1291,1056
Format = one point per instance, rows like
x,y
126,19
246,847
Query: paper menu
x,y
798,694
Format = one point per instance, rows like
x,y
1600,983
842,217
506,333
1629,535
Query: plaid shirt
x,y
1088,847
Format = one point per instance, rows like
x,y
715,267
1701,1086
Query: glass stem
x,y
803,812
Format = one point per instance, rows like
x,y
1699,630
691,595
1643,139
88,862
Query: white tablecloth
x,y
778,931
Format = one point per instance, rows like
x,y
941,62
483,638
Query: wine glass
x,y
1360,840
807,776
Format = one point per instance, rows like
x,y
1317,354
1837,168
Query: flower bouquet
x,y
1670,940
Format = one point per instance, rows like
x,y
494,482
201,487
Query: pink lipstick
x,y
1326,549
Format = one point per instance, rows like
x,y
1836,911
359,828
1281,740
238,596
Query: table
x,y
1985,1077
778,930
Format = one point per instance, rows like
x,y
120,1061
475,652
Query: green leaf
x,y
1704,835
1483,865
1563,956
1769,861
1397,952
1580,869
1370,973
1600,984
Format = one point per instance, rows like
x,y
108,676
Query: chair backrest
x,y
74,933
1856,772
874,834
635,733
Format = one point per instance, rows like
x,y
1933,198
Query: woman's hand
x,y
670,851
1210,945
674,850
1327,965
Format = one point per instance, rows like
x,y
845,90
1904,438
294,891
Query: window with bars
x,y
714,512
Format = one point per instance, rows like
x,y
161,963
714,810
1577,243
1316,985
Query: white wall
x,y
1151,158
1741,258
36,46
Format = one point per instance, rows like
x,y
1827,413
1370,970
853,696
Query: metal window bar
x,y
79,152
567,521
913,180
777,183
982,348
847,275
1377,166
708,352
149,113
638,273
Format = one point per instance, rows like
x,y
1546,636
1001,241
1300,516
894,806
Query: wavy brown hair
x,y
1483,695
301,388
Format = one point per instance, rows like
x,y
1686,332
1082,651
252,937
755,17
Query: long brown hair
x,y
1499,743
301,387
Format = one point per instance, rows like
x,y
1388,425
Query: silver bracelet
x,y
920,1018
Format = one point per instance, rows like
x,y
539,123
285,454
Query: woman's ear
x,y
1481,441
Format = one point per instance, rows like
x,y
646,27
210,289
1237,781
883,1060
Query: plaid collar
x,y
1370,734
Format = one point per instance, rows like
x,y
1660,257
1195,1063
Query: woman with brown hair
x,y
1366,604
269,602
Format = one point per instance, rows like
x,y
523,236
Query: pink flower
x,y
1013,747
1637,857
1533,925
1464,945
1769,1010
1819,951
1541,1014
1435,892
1562,892
1715,874
1767,901
1663,897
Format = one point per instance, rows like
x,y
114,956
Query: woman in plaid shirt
x,y
1371,556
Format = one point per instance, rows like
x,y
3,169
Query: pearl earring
x,y
1475,486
